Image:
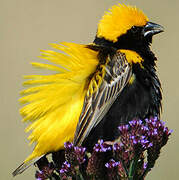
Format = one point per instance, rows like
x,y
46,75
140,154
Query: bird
x,y
94,87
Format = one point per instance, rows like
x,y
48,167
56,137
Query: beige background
x,y
26,26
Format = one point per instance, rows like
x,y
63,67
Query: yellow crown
x,y
118,20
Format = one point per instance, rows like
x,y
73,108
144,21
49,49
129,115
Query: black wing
x,y
117,75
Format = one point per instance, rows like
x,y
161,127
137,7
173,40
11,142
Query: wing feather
x,y
96,105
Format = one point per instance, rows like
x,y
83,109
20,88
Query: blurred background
x,y
26,26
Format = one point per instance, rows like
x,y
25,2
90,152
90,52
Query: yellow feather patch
x,y
132,79
132,56
97,78
55,102
119,20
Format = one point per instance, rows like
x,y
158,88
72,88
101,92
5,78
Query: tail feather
x,y
25,165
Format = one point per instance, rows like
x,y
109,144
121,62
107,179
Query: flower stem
x,y
132,168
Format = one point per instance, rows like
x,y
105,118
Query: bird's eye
x,y
134,29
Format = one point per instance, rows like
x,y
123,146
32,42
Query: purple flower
x,y
133,154
80,154
101,147
111,164
80,150
118,146
157,133
145,165
39,175
65,167
68,145
123,128
170,131
46,172
135,123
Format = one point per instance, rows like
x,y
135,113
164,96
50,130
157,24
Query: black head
x,y
138,37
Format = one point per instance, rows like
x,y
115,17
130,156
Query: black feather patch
x,y
139,99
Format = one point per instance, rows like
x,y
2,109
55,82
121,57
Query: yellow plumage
x,y
118,20
55,102
132,56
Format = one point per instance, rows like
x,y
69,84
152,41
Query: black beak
x,y
151,29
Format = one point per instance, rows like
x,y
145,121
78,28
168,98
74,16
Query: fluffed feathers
x,y
55,102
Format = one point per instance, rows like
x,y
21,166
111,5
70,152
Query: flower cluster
x,y
74,154
65,168
131,156
45,173
101,146
75,157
